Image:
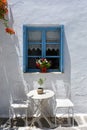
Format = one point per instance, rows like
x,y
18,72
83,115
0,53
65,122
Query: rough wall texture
x,y
73,15
10,77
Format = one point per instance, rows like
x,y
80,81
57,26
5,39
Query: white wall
x,y
10,77
73,15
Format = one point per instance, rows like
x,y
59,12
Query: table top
x,y
46,94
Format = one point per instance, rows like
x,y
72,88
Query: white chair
x,y
64,106
16,105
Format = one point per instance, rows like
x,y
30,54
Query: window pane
x,y
35,36
54,63
34,50
52,49
32,63
53,36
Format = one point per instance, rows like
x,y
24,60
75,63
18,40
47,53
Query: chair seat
x,y
64,103
19,105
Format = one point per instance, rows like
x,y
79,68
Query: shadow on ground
x,y
20,122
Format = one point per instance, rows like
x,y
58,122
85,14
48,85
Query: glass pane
x,y
54,63
34,50
32,63
52,49
35,36
53,36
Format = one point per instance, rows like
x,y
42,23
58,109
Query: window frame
x,y
43,29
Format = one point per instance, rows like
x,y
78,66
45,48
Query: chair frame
x,y
18,106
67,105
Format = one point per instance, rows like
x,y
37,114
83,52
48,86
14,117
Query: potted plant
x,y
43,64
3,15
40,82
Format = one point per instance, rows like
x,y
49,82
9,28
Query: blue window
x,y
43,42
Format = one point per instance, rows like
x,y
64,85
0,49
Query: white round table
x,y
47,94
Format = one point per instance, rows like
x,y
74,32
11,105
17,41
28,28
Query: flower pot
x,y
44,70
40,90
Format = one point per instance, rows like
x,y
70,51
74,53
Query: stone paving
x,y
80,119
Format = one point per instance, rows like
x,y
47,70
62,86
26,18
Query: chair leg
x,y
72,116
55,119
26,121
69,120
10,117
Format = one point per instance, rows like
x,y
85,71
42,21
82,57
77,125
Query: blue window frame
x,y
43,42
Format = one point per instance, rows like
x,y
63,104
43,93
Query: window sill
x,y
46,73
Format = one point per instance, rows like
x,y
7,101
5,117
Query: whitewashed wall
x,y
73,15
10,74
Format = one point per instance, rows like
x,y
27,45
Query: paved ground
x,y
80,124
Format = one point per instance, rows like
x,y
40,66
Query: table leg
x,y
39,112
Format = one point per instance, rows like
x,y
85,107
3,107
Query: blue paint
x,y
58,59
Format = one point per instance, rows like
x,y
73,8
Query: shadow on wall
x,y
67,61
63,83
67,67
10,76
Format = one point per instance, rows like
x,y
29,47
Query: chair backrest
x,y
54,88
15,100
26,89
62,89
11,99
